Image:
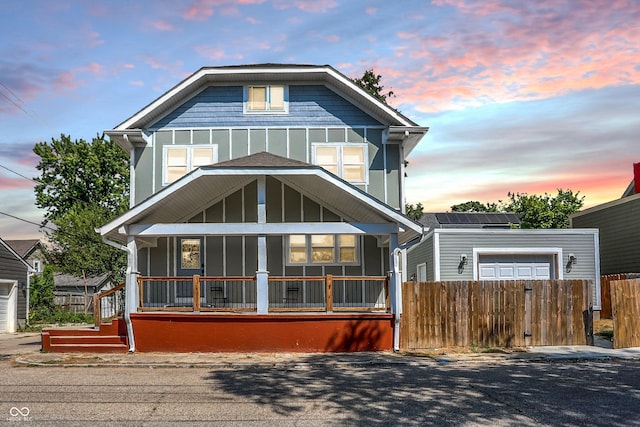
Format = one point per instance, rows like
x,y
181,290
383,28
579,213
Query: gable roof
x,y
24,248
62,280
16,255
168,205
401,127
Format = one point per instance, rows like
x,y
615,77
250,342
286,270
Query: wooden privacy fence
x,y
605,291
73,302
496,313
625,303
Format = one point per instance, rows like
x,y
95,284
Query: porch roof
x,y
183,199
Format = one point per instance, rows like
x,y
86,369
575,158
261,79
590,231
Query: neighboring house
x,y
15,275
481,246
32,251
264,189
75,294
619,225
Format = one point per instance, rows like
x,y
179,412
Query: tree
x,y
545,211
535,211
370,82
82,186
474,206
41,295
414,212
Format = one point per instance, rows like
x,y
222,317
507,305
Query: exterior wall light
x,y
463,262
571,262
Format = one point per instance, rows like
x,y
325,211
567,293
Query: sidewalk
x,y
31,356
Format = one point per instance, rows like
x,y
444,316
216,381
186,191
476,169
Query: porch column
x,y
131,289
262,275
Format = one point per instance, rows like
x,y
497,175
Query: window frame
x,y
340,158
190,152
336,251
268,110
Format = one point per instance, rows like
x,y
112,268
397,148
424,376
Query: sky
x,y
520,96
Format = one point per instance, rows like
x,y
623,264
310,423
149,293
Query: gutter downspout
x,y
397,289
127,310
29,275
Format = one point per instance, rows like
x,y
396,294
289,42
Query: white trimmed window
x,y
182,159
348,161
322,249
266,99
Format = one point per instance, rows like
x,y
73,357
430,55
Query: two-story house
x,y
266,213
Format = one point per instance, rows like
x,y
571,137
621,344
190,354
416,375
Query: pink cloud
x,y
252,20
66,81
309,6
539,52
210,53
163,25
332,38
7,183
370,10
136,83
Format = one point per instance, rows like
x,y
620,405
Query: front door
x,y
190,262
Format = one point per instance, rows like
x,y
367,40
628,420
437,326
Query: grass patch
x,y
603,328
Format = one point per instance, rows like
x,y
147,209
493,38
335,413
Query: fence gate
x,y
496,313
625,304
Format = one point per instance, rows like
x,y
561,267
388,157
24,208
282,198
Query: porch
x,y
219,314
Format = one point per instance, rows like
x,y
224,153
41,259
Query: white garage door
x,y
7,307
515,267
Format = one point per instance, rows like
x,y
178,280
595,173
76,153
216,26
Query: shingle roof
x,y
261,159
62,280
22,247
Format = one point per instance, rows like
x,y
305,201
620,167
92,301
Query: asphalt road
x,y
497,394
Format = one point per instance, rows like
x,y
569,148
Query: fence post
x,y
527,313
196,292
328,283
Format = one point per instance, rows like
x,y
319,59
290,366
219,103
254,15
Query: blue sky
x,y
520,96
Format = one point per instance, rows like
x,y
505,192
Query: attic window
x,y
266,99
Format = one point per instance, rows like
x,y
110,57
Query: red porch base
x,y
201,332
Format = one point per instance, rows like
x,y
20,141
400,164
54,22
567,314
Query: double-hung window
x,y
182,159
348,161
266,99
322,249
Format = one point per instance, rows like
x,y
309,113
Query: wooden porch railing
x,y
108,304
286,293
197,293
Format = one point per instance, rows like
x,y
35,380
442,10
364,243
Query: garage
x,y
516,267
8,312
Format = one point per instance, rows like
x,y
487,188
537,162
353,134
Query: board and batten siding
x,y
237,255
450,244
12,269
619,225
316,115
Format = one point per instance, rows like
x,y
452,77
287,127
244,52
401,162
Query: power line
x,y
19,174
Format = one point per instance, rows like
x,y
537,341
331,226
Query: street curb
x,y
442,360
